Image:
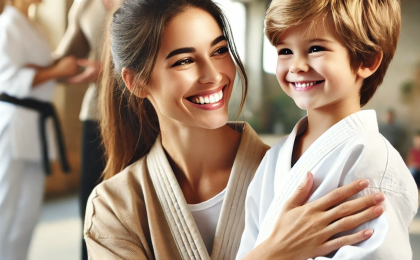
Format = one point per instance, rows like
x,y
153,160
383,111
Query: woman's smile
x,y
208,100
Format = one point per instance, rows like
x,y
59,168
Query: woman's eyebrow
x,y
179,51
191,49
217,40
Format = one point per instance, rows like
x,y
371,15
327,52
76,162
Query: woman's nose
x,y
209,74
299,65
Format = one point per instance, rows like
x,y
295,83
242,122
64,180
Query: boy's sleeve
x,y
391,236
258,199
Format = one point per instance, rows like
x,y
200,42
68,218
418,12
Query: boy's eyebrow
x,y
319,40
192,49
310,41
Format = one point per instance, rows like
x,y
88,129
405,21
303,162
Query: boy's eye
x,y
221,51
316,49
182,62
285,52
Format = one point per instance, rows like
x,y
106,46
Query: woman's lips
x,y
306,85
208,101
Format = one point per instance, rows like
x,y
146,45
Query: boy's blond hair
x,y
365,27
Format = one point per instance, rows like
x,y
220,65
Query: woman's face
x,y
193,76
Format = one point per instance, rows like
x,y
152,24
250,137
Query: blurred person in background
x,y
413,157
82,39
26,71
392,131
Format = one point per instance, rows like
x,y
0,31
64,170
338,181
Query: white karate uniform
x,y
351,149
21,174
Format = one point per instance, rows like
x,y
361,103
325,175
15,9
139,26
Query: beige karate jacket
x,y
141,212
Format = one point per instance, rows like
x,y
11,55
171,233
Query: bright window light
x,y
269,57
236,14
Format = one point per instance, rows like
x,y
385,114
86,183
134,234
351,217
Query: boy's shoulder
x,y
381,163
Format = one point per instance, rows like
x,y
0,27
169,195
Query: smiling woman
x,y
183,171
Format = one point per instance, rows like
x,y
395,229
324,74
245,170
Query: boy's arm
x,y
377,160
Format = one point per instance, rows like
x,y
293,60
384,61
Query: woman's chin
x,y
213,122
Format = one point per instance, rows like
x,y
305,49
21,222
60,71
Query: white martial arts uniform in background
x,y
351,149
21,174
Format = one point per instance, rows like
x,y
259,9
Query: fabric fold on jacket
x,y
166,226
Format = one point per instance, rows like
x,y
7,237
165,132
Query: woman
x,y
26,71
168,78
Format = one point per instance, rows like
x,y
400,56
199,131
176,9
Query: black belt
x,y
45,110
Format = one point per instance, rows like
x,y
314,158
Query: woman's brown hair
x,y
129,124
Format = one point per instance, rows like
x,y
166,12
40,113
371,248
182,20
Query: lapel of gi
x,y
178,215
232,217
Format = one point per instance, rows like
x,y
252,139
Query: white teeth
x,y
304,85
216,97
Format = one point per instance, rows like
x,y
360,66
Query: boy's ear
x,y
128,77
366,71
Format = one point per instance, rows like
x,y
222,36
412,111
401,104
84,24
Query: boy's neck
x,y
319,121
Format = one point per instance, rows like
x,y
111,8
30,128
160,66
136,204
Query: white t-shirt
x,y
206,215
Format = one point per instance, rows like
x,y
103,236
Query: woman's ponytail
x,y
129,124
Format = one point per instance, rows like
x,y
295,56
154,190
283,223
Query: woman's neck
x,y
200,158
22,7
319,121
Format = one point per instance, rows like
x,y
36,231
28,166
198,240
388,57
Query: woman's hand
x,y
303,231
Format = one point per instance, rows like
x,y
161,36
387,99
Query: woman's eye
x,y
182,62
221,51
316,49
285,52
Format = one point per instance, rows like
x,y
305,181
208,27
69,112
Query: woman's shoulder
x,y
117,200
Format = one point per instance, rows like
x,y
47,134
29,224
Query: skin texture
x,y
318,56
201,148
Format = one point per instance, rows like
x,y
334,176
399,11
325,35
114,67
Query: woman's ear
x,y
366,71
129,80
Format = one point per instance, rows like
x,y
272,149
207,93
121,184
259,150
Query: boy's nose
x,y
299,65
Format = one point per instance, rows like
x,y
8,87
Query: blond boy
x,y
332,56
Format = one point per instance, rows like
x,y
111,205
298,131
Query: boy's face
x,y
313,68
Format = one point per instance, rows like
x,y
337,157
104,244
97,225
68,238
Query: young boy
x,y
332,56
